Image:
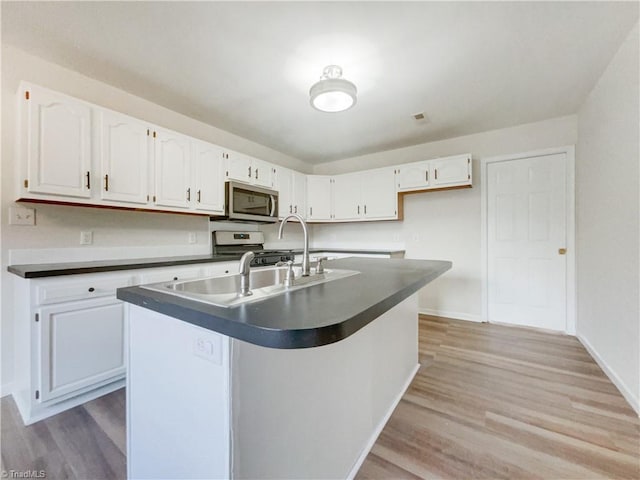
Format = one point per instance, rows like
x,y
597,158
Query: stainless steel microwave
x,y
249,203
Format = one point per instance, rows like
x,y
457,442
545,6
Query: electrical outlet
x,y
193,237
209,349
86,238
22,216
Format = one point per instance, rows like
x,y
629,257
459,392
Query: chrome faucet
x,y
245,270
306,269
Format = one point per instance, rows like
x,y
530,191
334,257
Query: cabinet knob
x,y
91,289
175,278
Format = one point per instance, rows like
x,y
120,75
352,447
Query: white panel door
x,y
347,201
82,344
124,158
172,170
379,196
58,142
208,177
526,230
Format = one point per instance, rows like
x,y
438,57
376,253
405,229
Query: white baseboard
x,y
455,315
378,430
6,389
633,400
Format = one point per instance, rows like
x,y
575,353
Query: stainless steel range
x,y
237,243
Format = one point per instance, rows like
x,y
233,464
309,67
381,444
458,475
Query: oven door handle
x,y
273,205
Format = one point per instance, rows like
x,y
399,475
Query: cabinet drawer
x,y
80,289
171,274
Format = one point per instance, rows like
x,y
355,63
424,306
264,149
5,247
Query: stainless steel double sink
x,y
265,282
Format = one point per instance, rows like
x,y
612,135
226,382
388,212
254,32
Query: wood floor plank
x,y
492,401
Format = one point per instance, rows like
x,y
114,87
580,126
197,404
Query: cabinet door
x,y
318,198
238,167
379,195
413,176
208,178
451,171
58,144
262,173
124,158
299,194
284,186
172,168
82,345
347,196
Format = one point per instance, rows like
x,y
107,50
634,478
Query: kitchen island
x,y
294,386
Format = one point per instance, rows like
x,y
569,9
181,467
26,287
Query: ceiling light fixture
x,y
332,93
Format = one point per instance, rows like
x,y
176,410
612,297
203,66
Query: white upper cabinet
x,y
208,177
368,195
413,176
244,168
451,171
434,174
284,186
262,173
347,203
172,170
56,140
379,196
292,192
299,194
238,166
124,158
319,198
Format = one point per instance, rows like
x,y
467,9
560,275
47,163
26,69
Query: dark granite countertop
x,y
308,317
74,268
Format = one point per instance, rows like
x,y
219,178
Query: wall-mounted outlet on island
x,y
86,238
192,237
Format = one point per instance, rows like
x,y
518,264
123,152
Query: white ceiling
x,y
247,67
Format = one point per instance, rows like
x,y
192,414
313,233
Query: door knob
x,y
562,251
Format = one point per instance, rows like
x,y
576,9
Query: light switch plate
x,y
22,216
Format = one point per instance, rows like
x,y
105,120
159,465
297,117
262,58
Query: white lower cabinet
x,y
70,335
82,345
70,341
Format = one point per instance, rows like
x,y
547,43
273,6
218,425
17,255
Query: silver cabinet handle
x,y
256,174
106,182
88,180
290,208
188,194
273,205
249,172
358,209
295,209
365,209
198,196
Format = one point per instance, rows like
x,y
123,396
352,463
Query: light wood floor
x,y
85,443
501,402
489,402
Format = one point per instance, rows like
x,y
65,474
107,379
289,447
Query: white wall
x,y
443,225
607,219
115,233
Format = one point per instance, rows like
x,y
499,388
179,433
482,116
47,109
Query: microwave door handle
x,y
273,205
